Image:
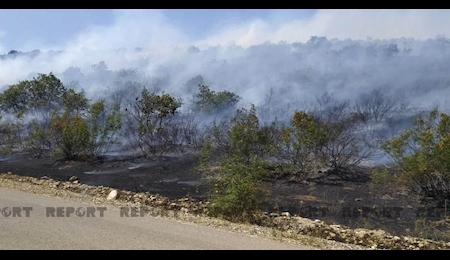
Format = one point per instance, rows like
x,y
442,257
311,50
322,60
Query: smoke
x,y
339,23
343,52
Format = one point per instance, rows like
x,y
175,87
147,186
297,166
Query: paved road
x,y
47,225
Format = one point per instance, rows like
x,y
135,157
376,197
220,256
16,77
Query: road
x,y
30,221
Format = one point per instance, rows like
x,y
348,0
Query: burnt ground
x,y
334,198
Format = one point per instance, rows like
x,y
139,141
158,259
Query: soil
x,y
334,198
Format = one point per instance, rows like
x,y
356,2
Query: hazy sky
x,y
29,29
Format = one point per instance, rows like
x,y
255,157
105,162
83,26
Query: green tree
x,y
148,119
423,152
44,136
302,142
211,102
46,93
15,98
103,123
14,101
75,102
85,137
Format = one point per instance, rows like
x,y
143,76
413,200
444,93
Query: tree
x,y
423,153
376,106
85,136
72,135
46,93
75,102
103,124
15,98
41,97
347,141
100,67
193,83
41,138
212,102
302,142
148,122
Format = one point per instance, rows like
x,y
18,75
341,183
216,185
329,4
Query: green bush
x,y
211,102
423,152
235,179
302,141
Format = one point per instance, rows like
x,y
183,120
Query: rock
x,y
73,178
387,197
75,181
45,178
112,195
286,214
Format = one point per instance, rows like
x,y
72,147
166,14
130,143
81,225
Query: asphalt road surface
x,y
31,221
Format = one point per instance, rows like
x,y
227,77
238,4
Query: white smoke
x,y
256,55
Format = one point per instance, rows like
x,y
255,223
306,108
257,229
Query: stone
x,y
73,178
286,214
387,197
112,195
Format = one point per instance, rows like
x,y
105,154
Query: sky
x,y
29,29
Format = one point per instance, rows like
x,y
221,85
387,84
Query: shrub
x,y
423,153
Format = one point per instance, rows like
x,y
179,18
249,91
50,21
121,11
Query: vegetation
x,y
302,141
240,148
149,123
211,102
423,152
235,178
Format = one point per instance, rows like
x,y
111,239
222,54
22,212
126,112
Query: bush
x,y
235,179
211,102
302,141
148,122
423,153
